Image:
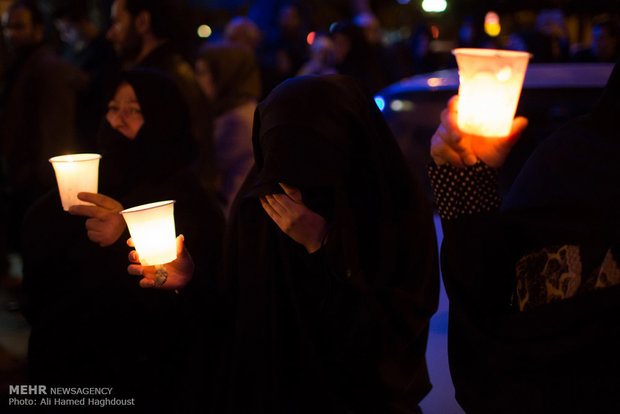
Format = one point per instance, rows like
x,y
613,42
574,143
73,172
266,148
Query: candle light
x,y
490,83
75,173
152,229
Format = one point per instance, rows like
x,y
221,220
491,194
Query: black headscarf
x,y
360,322
163,144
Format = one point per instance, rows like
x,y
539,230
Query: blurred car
x,y
552,95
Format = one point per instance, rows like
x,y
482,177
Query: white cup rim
x,y
148,206
75,157
480,52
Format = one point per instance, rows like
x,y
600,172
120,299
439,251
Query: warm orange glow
x,y
75,173
434,82
310,37
490,83
151,227
435,32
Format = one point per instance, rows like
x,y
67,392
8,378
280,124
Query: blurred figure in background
x,y
413,54
38,97
228,75
143,33
322,57
381,55
604,44
354,56
549,41
243,31
285,48
86,47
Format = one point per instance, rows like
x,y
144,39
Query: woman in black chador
x,y
533,280
330,261
92,325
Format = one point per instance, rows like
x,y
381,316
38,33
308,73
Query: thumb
x,y
292,192
180,244
516,129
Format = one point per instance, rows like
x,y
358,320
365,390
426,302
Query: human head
x,y
123,34
228,74
289,19
160,146
23,25
124,112
350,43
154,94
605,40
68,19
243,31
322,50
326,136
134,20
371,26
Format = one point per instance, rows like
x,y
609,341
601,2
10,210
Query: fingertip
x,y
130,242
523,121
133,256
147,283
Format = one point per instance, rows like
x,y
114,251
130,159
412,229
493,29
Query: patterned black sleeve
x,y
464,191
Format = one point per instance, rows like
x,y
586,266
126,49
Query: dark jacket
x,y
91,322
345,328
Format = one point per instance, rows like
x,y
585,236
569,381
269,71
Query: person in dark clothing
x,y
330,263
229,76
143,33
38,94
533,281
605,42
357,58
86,47
284,48
91,324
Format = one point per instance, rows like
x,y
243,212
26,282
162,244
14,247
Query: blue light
x,y
380,102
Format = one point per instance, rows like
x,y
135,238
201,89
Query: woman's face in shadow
x,y
124,112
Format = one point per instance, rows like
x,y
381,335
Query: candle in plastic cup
x,y
152,229
76,173
490,83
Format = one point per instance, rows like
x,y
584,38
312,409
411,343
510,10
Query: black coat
x,y
345,328
519,341
91,322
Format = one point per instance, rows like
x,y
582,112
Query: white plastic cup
x,y
76,173
151,227
490,83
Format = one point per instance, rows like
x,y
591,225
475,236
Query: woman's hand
x,y
105,224
450,145
295,219
179,271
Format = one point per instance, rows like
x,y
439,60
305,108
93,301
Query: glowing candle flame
x,y
75,173
490,83
152,229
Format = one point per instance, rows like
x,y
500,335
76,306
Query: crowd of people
x,y
307,269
